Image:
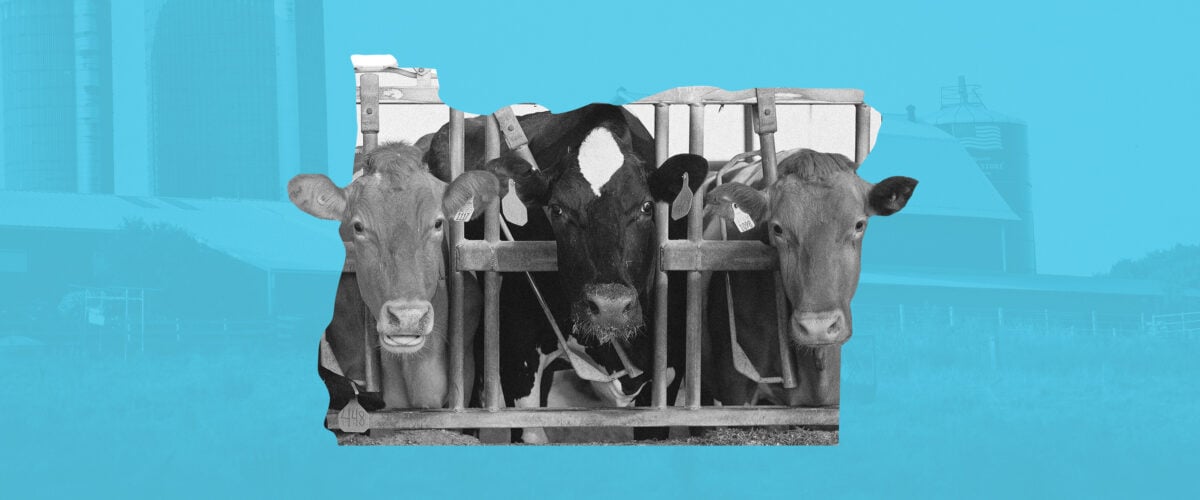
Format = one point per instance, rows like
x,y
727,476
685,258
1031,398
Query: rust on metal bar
x,y
369,111
514,135
457,334
597,417
862,132
714,255
507,256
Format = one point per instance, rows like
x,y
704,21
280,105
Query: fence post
x,y
457,349
662,130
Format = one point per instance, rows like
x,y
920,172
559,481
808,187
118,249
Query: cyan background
x,y
1108,91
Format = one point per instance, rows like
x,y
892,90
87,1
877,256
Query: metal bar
x,y
711,95
369,112
787,366
662,119
507,256
862,132
514,136
696,129
593,417
491,138
748,127
491,314
404,95
766,124
369,125
694,298
714,255
457,334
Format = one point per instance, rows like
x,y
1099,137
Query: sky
x,y
1108,105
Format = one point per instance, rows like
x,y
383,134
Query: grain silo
x,y
999,144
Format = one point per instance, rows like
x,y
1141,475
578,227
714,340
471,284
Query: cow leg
x,y
536,435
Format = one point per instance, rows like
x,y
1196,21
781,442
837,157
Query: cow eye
x,y
556,210
648,207
358,227
860,225
437,225
777,229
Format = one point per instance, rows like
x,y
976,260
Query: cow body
x,y
391,217
815,216
594,195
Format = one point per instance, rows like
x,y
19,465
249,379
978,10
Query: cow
x,y
594,195
391,217
814,216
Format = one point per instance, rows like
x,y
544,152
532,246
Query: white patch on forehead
x,y
599,157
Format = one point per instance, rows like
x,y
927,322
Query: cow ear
x,y
467,197
317,195
738,203
531,184
667,180
890,195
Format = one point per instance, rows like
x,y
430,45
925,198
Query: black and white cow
x,y
593,194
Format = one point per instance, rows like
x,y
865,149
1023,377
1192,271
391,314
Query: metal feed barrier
x,y
694,255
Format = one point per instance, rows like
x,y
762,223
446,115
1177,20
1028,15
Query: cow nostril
x,y
592,307
628,306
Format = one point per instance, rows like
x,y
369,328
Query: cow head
x,y
598,192
392,219
815,215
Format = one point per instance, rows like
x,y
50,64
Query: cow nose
x,y
819,328
611,304
405,317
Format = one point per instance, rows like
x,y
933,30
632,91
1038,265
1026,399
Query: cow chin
x,y
404,326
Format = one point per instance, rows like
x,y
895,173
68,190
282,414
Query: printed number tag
x,y
464,213
353,418
514,211
741,219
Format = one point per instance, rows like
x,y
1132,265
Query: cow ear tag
x,y
741,219
683,201
514,211
464,213
353,418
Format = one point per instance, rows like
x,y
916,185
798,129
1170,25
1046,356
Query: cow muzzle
x,y
609,311
404,325
819,328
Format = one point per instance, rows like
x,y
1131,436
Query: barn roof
x,y
270,235
951,182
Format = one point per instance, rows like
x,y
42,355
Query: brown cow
x,y
815,216
392,218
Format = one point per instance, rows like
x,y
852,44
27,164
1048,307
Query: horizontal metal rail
x,y
714,95
595,417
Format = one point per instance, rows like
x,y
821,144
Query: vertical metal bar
x,y
369,123
862,132
696,129
694,296
766,123
491,314
491,138
457,335
369,110
662,120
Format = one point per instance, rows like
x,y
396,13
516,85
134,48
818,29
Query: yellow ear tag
x,y
741,219
464,213
514,211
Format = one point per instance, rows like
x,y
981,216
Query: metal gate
x,y
694,255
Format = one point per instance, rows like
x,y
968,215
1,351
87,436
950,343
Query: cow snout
x,y
611,310
404,324
820,328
